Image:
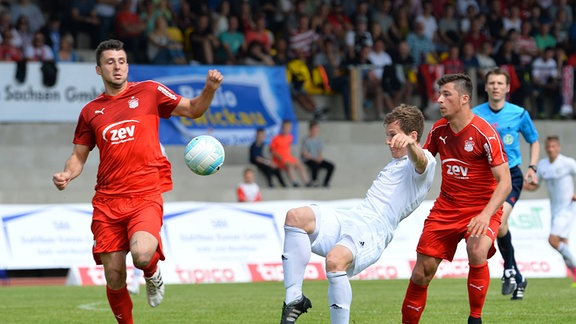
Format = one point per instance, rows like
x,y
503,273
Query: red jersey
x,y
466,159
125,129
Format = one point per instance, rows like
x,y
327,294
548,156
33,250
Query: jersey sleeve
x,y
166,99
494,147
527,128
430,144
83,135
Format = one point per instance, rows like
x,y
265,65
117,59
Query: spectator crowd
x,y
402,46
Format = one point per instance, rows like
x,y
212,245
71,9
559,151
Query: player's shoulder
x,y
481,108
514,109
440,124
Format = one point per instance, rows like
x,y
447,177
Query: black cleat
x,y
292,311
519,292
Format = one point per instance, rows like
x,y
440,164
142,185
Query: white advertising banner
x,y
32,101
242,242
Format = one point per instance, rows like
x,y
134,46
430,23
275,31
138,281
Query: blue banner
x,y
250,97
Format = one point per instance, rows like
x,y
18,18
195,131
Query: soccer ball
x,y
204,155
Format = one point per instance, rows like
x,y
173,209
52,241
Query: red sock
x,y
414,303
478,282
121,304
150,269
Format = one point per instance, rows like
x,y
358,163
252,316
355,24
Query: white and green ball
x,y
204,155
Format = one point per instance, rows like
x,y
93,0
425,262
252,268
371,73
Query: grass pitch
x,y
546,301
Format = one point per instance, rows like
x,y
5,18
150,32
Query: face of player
x,y
450,101
552,149
497,87
113,68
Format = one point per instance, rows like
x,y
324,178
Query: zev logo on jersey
x,y
455,168
120,132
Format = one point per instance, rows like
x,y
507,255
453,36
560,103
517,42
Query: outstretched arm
x,y
197,106
414,150
72,168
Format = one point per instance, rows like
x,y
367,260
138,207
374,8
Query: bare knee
x,y
338,259
554,241
302,217
424,270
115,277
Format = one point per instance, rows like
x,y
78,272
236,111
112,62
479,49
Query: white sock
x,y
568,257
339,297
294,260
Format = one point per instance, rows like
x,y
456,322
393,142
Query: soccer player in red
x,y
133,172
475,183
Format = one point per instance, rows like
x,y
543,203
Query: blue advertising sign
x,y
250,97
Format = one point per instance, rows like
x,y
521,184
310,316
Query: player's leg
x,y
511,278
146,245
479,273
510,274
560,228
417,291
339,289
118,297
110,249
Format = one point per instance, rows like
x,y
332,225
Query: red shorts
x,y
443,230
114,220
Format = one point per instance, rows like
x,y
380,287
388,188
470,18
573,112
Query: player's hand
x,y
214,79
400,140
478,226
531,177
61,180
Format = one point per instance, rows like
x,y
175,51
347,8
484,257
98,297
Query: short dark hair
x,y
111,44
410,119
553,138
499,71
462,82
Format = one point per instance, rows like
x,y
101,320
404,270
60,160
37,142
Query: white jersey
x,y
559,176
397,191
368,228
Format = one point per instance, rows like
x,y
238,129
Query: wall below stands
x,y
32,152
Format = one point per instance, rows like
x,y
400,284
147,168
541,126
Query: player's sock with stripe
x,y
478,283
339,296
414,303
568,257
294,260
121,304
150,269
507,251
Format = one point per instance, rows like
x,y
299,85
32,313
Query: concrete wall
x,y
31,153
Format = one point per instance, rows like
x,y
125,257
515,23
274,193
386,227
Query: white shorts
x,y
562,222
366,239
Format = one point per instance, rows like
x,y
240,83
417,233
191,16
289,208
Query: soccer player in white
x,y
559,172
353,239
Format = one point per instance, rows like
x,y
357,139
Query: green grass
x,y
546,301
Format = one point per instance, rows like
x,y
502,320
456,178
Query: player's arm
x,y
197,106
73,166
531,174
414,150
479,224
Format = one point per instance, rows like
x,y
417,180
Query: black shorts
x,y
517,182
